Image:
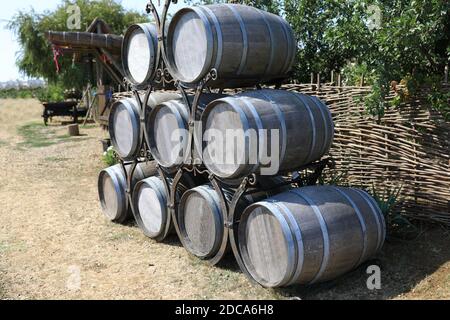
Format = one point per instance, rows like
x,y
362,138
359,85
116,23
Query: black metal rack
x,y
305,175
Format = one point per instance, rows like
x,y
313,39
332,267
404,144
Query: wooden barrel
x,y
167,130
201,217
309,235
112,187
125,123
244,44
139,53
150,205
303,123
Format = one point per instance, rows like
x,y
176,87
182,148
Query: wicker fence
x,y
408,148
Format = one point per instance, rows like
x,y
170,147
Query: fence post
x,y
446,74
318,82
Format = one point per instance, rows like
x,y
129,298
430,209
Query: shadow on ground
x,y
403,264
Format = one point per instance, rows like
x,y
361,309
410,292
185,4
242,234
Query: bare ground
x,y
55,243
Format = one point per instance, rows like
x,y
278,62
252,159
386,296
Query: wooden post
x,y
361,84
74,130
318,82
446,74
332,77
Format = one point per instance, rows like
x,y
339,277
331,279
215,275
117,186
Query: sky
x,y
8,69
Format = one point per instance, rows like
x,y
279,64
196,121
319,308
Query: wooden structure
x,y
102,50
62,109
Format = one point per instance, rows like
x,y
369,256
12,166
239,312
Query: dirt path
x,y
55,243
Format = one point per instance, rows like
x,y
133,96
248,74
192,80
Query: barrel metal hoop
x,y
325,143
162,198
219,55
295,227
210,41
282,119
361,222
248,267
218,223
120,184
289,39
245,124
311,116
111,172
272,47
379,219
325,235
261,136
244,38
153,51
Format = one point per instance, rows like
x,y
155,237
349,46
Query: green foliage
x,y
396,223
329,34
19,94
109,157
52,93
440,102
35,58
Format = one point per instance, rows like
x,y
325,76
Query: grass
x,y
37,135
3,143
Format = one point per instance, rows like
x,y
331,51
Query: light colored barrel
x,y
139,53
201,217
125,123
112,186
303,124
309,235
150,204
244,44
167,130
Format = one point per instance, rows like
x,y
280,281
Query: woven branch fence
x,y
408,148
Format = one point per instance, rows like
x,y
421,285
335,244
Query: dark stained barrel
x,y
139,53
310,235
150,205
167,128
112,187
246,122
244,44
125,123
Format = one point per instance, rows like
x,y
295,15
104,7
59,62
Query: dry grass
x,y
51,226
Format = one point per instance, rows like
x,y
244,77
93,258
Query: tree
x,y
35,58
330,33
